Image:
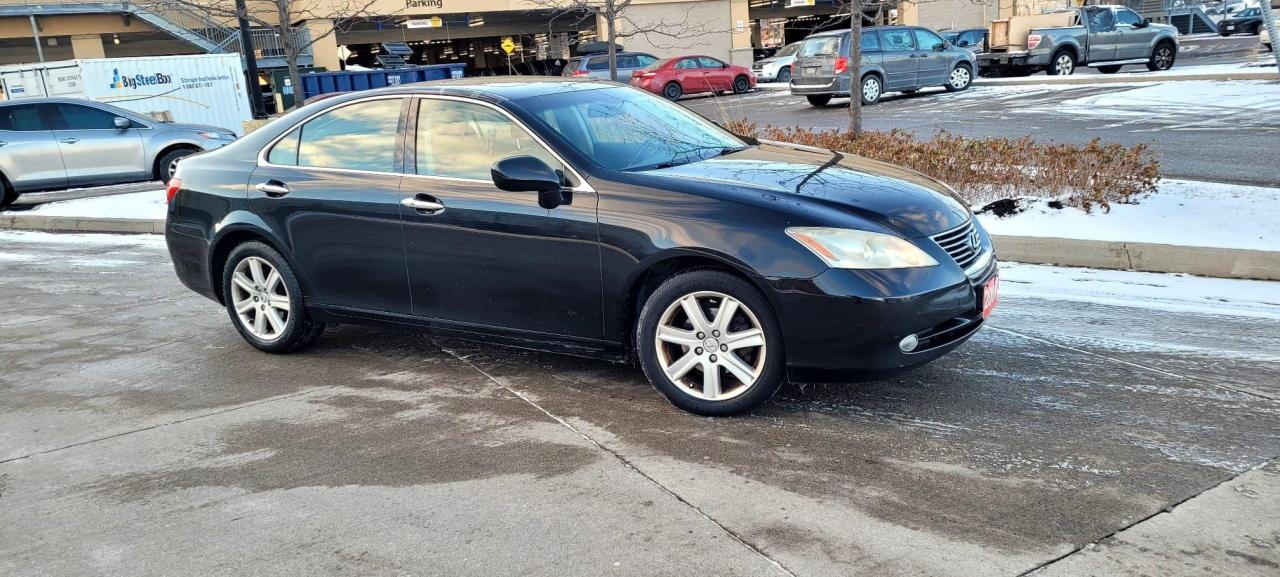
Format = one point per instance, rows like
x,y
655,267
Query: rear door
x,y
1103,36
93,150
330,189
29,155
898,50
816,61
689,74
932,68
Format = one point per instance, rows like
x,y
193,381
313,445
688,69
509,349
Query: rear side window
x,y
25,118
820,46
285,152
597,63
687,64
359,136
870,41
75,117
899,40
643,60
627,61
571,67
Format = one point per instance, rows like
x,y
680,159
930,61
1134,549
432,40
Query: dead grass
x,y
988,169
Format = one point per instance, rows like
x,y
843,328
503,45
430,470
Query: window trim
x,y
402,139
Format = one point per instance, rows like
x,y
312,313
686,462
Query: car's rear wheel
x,y
741,85
960,79
1162,57
672,91
264,299
784,75
1109,69
1062,64
872,90
819,99
167,164
708,342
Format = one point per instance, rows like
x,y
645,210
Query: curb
x,y
1124,78
81,224
1141,256
1135,256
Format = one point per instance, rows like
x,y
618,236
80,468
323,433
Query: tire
x,y
871,89
1162,57
1225,34
168,162
961,78
784,75
1063,63
1109,69
7,194
741,85
1257,30
672,91
725,394
819,99
292,330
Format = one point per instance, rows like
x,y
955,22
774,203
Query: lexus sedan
x,y
53,143
675,77
581,217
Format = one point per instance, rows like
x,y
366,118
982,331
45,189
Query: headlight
x,y
859,249
216,135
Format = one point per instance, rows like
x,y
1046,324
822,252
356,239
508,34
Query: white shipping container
x,y
198,89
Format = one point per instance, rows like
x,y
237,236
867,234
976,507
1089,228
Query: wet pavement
x,y
140,436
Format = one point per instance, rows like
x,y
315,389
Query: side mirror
x,y
529,174
123,123
939,47
1145,22
724,66
962,44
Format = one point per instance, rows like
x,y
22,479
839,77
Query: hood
x,y
901,199
775,60
198,128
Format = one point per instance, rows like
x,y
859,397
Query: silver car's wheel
x,y
260,298
871,90
173,168
960,78
710,345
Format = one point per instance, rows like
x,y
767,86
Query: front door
x,y
1103,36
932,68
718,75
94,150
331,190
898,50
29,154
488,257
1134,38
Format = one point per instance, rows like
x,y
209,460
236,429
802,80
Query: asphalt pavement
x,y
140,436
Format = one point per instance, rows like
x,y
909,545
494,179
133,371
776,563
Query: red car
x,y
674,77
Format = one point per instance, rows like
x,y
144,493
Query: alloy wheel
x,y
173,167
1065,65
710,345
1164,58
871,89
960,78
260,298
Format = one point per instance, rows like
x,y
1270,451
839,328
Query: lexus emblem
x,y
974,240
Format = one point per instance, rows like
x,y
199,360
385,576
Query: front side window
x,y
1127,17
25,118
626,129
359,136
900,40
927,40
463,140
75,117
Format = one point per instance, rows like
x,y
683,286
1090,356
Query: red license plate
x,y
990,295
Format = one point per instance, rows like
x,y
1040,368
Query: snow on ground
x,y
150,204
1189,104
1183,212
1169,292
10,239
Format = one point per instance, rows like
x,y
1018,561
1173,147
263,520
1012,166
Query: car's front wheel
x,y
708,342
741,85
167,164
1162,57
960,79
264,299
784,75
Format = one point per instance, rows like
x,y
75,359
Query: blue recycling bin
x,y
356,80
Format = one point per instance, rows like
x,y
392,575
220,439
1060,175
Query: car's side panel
x,y
30,159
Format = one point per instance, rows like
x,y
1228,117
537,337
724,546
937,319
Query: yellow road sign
x,y
508,46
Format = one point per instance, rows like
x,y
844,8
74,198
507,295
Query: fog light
x,y
908,344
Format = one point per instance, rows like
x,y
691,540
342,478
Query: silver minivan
x,y
894,59
52,143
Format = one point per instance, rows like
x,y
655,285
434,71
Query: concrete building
x,y
443,31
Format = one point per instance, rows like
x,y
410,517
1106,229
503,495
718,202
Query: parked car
x,y
581,217
674,77
1103,37
1247,21
52,143
776,68
971,39
596,65
894,59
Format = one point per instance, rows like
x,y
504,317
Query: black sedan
x,y
581,217
1248,21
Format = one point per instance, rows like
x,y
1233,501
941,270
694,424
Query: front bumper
x,y
847,324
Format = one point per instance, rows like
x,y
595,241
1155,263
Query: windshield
x,y
951,36
624,128
1250,13
789,50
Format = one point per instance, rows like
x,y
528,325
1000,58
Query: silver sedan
x,y
53,143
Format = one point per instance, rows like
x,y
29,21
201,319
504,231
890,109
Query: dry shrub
x,y
989,169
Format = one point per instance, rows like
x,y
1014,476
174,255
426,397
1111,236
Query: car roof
x,y
840,32
606,54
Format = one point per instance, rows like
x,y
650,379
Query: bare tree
x,y
614,13
279,16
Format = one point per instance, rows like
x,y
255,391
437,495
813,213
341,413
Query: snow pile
x,y
1184,212
148,205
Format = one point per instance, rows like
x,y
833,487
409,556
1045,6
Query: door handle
x,y
273,188
69,140
423,203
